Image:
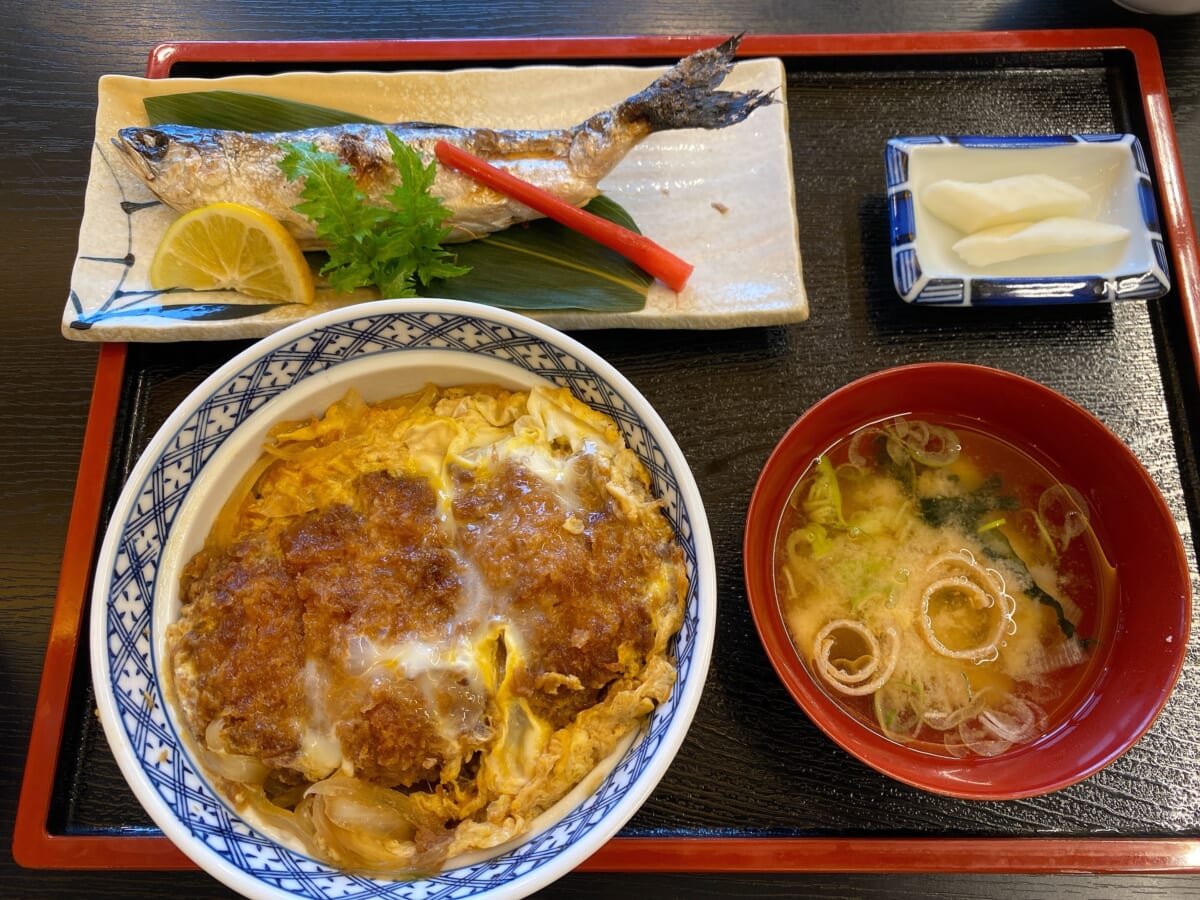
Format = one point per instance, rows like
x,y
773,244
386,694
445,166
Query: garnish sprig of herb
x,y
396,248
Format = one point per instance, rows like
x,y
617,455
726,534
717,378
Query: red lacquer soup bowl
x,y
1137,635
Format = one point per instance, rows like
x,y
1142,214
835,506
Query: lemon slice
x,y
233,247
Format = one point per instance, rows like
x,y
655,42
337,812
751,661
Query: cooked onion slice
x,y
975,738
369,829
362,808
1016,721
218,758
984,588
899,709
1063,655
862,680
855,453
996,729
1065,512
930,445
940,720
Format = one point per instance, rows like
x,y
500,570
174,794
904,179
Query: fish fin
x,y
686,96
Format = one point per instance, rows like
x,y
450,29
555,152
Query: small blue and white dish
x,y
1111,168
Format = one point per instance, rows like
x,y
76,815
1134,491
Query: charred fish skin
x,y
686,96
189,167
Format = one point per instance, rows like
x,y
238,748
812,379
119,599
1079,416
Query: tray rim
x,y
35,846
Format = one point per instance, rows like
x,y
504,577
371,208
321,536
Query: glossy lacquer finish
x,y
758,792
1143,639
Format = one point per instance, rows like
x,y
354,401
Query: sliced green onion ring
x,y
934,446
939,720
899,709
1065,513
854,452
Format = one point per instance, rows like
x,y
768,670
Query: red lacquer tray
x,y
659,847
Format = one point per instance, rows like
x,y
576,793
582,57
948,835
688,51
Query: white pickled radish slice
x,y
1017,241
974,205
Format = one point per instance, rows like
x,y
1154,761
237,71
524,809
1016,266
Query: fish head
x,y
172,158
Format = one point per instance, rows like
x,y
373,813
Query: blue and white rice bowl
x,y
382,349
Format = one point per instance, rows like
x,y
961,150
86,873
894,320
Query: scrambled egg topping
x,y
417,624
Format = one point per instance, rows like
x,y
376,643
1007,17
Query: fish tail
x,y
687,97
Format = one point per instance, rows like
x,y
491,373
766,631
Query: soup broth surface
x,y
942,586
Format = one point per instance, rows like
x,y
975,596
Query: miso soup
x,y
942,585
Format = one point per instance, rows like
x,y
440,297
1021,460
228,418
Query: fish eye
x,y
151,142
153,139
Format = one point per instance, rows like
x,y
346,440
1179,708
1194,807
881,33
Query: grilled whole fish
x,y
190,167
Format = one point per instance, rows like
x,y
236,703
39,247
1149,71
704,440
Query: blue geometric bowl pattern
x,y
916,285
143,737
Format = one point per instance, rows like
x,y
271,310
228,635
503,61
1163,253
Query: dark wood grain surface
x,y
53,54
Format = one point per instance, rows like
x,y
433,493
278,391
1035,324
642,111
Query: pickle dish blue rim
x,y
134,711
917,285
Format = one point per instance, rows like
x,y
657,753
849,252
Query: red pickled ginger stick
x,y
654,259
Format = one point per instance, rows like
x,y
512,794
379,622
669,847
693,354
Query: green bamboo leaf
x,y
543,266
613,211
242,111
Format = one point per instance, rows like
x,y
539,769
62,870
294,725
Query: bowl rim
x,y
605,821
1009,775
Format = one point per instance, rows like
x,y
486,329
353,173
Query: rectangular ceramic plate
x,y
1110,168
723,200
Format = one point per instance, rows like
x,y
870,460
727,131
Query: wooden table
x,y
53,55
